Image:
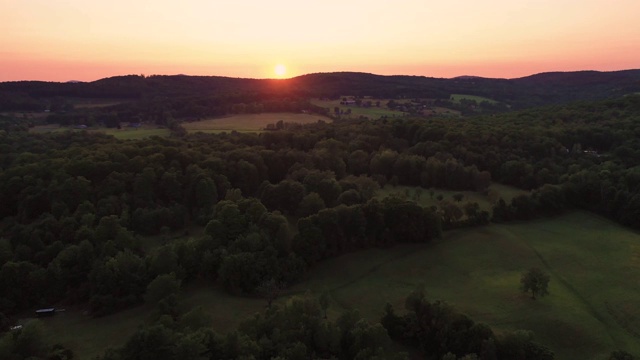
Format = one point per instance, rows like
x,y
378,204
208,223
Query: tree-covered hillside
x,y
535,90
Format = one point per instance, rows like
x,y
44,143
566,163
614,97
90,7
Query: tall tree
x,y
535,281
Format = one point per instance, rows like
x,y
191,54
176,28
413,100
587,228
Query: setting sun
x,y
280,70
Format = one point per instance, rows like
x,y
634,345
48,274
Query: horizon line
x,y
324,72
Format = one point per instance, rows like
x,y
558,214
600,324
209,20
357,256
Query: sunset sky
x,y
88,40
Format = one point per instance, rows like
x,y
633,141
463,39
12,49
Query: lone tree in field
x,y
536,281
325,301
270,290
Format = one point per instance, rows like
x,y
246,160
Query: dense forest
x,y
255,211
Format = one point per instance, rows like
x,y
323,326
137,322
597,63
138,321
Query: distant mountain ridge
x,y
533,90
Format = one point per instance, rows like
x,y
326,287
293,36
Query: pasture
x,y
457,97
594,302
250,122
357,111
593,306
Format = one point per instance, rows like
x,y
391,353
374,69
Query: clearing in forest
x,y
250,122
594,303
432,197
457,97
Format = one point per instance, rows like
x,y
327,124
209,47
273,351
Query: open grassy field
x,y
423,196
457,97
89,337
242,123
593,306
356,111
594,302
250,122
96,103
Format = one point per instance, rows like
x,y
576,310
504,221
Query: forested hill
x,y
540,89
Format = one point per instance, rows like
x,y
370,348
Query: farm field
x,y
593,307
457,97
250,122
356,111
424,198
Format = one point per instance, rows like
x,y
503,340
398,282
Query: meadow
x,y
250,122
457,97
594,303
356,111
241,123
593,306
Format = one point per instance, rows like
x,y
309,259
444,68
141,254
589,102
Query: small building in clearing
x,y
45,312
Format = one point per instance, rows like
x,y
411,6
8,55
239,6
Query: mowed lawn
x,y
594,302
593,307
250,122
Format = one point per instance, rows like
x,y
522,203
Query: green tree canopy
x,y
535,281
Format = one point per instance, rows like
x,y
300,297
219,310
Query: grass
x,y
227,311
242,123
594,302
89,337
486,201
457,97
250,122
356,111
593,307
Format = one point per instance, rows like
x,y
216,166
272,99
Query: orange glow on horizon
x,y
78,40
